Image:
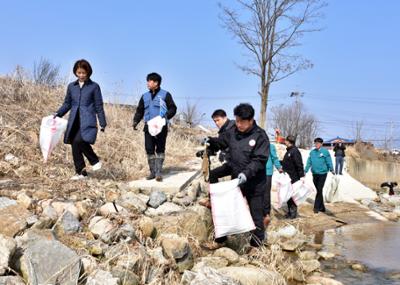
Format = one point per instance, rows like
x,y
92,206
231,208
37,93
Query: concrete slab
x,y
173,182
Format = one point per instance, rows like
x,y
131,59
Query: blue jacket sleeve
x,y
98,103
274,157
66,106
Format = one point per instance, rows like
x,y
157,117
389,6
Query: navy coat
x,y
89,103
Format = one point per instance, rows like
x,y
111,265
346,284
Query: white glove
x,y
242,178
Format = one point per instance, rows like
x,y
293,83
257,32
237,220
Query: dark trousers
x,y
256,205
267,197
155,144
319,182
80,148
292,208
339,164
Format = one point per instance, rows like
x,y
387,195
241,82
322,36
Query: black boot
x,y
151,160
159,164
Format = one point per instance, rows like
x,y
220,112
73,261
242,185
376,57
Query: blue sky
x,y
355,56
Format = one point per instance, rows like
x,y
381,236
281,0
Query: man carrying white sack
x,y
248,146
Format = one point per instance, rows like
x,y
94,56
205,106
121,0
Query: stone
x,y
132,202
130,261
68,224
61,207
292,244
11,280
32,220
102,228
391,216
83,207
307,255
41,195
145,198
24,200
326,255
165,209
322,280
309,266
126,277
125,232
206,276
253,276
43,223
157,198
6,202
108,209
158,257
12,217
359,267
194,190
210,261
50,212
185,201
7,249
101,277
397,211
89,264
228,254
178,249
146,225
49,262
12,159
96,247
287,232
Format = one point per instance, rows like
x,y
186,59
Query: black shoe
x,y
150,177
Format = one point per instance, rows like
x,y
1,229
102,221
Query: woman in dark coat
x,y
85,101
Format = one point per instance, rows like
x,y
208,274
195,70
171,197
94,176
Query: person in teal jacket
x,y
320,162
273,160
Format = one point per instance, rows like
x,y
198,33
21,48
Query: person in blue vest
x,y
155,102
85,101
320,162
273,160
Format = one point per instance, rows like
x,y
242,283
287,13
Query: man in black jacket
x,y
248,146
292,164
340,154
155,102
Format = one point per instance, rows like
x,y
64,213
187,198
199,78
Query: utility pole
x,y
296,95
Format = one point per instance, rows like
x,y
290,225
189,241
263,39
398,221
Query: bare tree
x,y
269,30
191,116
46,73
358,130
295,120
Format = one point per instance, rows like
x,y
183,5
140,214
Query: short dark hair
x,y
218,113
318,140
291,139
244,111
154,77
85,65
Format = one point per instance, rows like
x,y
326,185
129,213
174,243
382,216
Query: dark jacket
x,y
248,154
292,163
140,108
224,154
339,150
88,101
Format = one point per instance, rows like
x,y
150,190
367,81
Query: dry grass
x,y
24,104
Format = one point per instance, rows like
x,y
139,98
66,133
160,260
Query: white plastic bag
x,y
51,131
155,125
301,191
284,188
331,189
230,211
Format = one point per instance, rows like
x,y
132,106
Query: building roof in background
x,y
334,140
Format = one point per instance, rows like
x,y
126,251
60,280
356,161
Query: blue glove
x,y
242,178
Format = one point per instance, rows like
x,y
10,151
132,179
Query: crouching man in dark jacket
x,y
248,147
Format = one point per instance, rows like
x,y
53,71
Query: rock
x,y
60,207
102,228
32,220
12,159
112,195
165,209
89,264
292,244
108,209
24,200
146,225
182,223
391,216
210,261
41,195
96,247
50,212
185,201
206,276
43,223
130,261
180,195
157,198
366,202
253,276
68,224
397,211
126,277
309,266
307,255
132,202
83,207
32,235
326,255
359,267
101,277
194,190
204,213
287,232
11,280
145,198
49,262
228,254
12,217
7,249
322,281
239,242
177,248
157,255
125,232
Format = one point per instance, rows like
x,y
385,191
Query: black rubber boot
x,y
159,161
151,160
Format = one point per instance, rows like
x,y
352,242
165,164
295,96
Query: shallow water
x,y
375,245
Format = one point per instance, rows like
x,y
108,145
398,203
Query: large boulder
x,y
210,261
68,224
228,254
253,276
207,276
178,249
61,207
7,249
49,262
165,209
133,202
183,223
11,280
156,199
102,228
12,217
